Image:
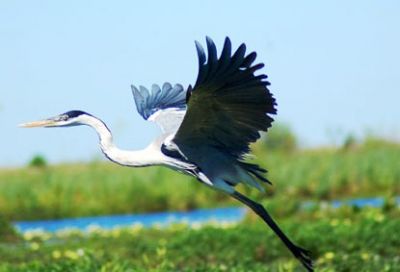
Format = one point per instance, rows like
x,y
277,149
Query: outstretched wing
x,y
165,106
228,105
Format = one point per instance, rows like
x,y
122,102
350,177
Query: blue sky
x,y
333,65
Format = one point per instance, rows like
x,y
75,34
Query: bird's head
x,y
67,119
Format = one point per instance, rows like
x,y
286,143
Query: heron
x,y
206,129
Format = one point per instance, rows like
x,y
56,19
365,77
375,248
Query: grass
x,y
341,240
345,239
29,193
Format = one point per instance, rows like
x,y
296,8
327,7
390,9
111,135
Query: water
x,y
229,215
375,202
363,202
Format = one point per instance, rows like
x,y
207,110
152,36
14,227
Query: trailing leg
x,y
300,253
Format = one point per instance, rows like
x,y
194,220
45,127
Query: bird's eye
x,y
62,117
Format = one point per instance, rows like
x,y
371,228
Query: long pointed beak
x,y
42,123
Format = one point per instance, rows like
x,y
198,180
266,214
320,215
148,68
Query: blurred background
x,y
333,67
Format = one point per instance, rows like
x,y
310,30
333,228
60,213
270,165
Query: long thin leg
x,y
298,252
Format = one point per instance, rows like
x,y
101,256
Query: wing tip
x,y
209,40
200,53
212,50
133,88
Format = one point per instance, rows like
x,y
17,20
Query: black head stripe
x,y
75,113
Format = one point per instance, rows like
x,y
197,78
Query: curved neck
x,y
123,157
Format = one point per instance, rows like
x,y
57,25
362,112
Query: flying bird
x,y
206,129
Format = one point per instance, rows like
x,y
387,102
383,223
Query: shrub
x,y
7,231
349,143
280,138
38,161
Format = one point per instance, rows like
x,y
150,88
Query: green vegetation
x,y
38,161
341,240
7,231
368,169
345,239
279,138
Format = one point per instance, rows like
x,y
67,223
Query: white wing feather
x,y
168,119
165,106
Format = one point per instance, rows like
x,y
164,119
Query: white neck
x,y
113,153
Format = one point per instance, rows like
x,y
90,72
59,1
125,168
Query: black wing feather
x,y
228,105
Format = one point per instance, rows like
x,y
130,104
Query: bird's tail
x,y
255,170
